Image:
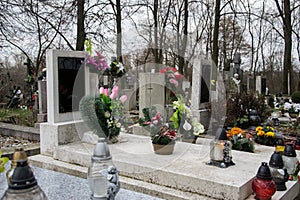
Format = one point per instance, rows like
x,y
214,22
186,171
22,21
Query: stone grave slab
x,y
185,170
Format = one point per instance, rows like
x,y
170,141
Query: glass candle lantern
x,y
263,185
279,174
279,145
220,150
103,176
23,185
19,154
290,161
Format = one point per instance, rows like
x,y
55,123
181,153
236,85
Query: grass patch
x,y
17,116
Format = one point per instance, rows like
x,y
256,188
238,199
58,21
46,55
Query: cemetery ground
x,y
12,142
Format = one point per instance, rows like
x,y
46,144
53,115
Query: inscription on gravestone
x,y
69,70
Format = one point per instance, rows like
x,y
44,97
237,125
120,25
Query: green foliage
x,y
238,107
296,97
98,115
17,116
88,45
242,143
148,114
3,161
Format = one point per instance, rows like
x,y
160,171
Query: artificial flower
x,y
174,82
123,98
187,126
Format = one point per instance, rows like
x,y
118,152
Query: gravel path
x,y
12,142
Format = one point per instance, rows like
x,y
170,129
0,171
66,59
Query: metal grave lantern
x,y
220,150
103,176
23,185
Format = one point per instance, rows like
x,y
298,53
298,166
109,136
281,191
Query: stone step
x,y
185,170
126,183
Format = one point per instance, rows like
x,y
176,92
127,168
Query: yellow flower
x,y
235,131
260,133
259,128
270,134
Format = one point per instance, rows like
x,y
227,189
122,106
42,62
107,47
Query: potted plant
x,y
293,112
163,141
240,140
162,136
103,113
264,135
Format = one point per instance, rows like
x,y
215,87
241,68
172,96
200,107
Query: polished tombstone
x,y
23,185
279,174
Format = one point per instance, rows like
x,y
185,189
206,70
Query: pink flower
x,y
178,75
171,75
123,98
173,81
102,90
113,95
100,63
115,89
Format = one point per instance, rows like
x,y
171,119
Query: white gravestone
x,y
68,80
151,91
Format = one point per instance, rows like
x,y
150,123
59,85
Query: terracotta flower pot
x,y
163,149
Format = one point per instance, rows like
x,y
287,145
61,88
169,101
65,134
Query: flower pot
x,y
293,115
163,149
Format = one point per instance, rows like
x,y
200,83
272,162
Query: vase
x,y
163,149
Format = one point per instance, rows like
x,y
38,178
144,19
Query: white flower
x,y
187,126
155,122
198,127
107,114
118,125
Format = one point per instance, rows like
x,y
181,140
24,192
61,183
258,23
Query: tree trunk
x,y
156,52
119,30
181,64
215,52
287,63
80,26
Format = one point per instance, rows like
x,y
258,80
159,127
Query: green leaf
x,y
2,169
174,119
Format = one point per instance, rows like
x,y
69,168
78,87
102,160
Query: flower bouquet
x,y
264,135
103,112
173,78
240,140
182,119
